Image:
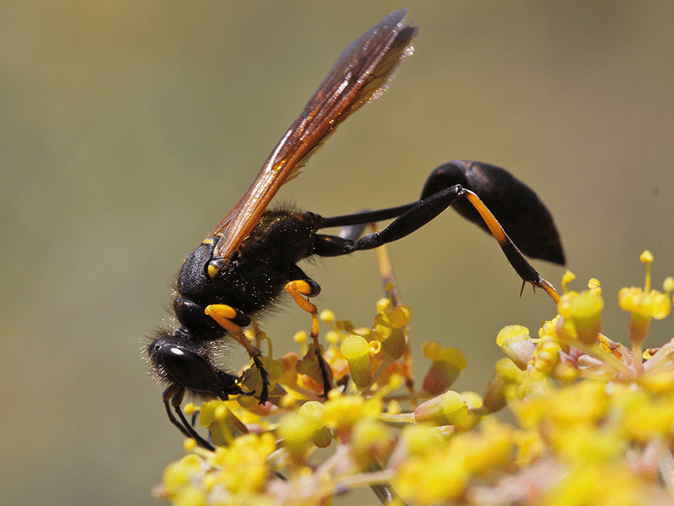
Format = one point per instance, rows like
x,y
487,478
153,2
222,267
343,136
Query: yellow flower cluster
x,y
234,474
594,420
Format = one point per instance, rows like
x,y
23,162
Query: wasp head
x,y
177,360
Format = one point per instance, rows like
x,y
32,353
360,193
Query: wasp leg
x,y
309,288
415,216
225,315
516,206
173,396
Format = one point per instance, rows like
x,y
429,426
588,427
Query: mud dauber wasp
x,y
251,257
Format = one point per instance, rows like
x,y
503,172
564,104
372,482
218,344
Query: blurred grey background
x,y
129,129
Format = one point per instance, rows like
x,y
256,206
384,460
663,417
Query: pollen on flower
x,y
567,278
584,403
583,312
653,419
668,284
431,479
586,484
546,356
327,316
179,472
486,448
594,285
300,337
583,442
646,257
383,305
548,328
586,409
342,411
644,305
333,337
190,444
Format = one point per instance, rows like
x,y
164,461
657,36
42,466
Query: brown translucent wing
x,y
360,75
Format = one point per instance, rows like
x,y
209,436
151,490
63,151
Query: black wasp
x,y
251,257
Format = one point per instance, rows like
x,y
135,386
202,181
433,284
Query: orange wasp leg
x,y
511,251
223,315
413,216
297,289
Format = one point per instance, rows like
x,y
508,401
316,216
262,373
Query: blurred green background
x,y
129,129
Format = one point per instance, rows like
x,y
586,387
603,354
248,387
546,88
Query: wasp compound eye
x,y
185,367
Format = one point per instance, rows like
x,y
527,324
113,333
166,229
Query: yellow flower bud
x,y
516,344
356,350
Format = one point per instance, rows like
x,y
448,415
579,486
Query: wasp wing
x,y
360,75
